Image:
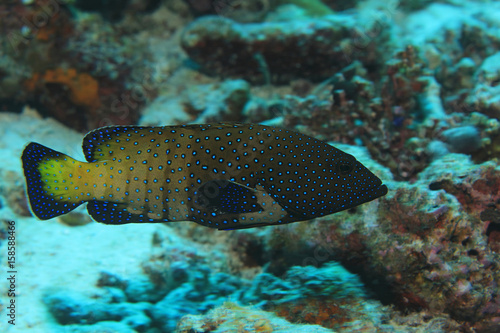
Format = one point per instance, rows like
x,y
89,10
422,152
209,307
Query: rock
x,y
485,96
69,307
142,290
233,318
437,149
279,52
464,139
203,103
101,327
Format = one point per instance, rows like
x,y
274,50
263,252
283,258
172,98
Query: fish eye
x,y
345,167
345,164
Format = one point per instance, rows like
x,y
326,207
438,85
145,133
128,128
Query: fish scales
x,y
225,176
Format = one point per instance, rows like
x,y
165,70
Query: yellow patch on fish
x,y
224,176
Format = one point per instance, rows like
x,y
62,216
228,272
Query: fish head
x,y
325,181
349,183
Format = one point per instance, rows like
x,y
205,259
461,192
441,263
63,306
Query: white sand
x,y
50,254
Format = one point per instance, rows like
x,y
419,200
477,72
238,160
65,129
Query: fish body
x,y
225,176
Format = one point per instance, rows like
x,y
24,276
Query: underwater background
x,y
410,88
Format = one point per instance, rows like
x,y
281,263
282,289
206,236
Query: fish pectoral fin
x,y
229,205
221,197
271,214
119,213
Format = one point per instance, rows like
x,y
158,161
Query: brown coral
x,y
425,250
276,52
83,88
233,318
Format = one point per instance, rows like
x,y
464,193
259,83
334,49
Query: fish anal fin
x,y
118,213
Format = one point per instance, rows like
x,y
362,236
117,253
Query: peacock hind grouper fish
x,y
225,176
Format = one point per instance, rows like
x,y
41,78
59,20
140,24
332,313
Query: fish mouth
x,y
382,190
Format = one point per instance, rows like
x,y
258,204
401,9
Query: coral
x,y
475,187
85,72
311,7
12,189
485,94
256,10
83,88
233,318
32,35
277,52
328,296
45,22
220,102
72,308
457,50
112,10
411,84
203,103
464,139
67,95
471,133
104,327
424,321
181,283
425,250
383,116
411,5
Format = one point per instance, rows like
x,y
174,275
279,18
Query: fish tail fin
x,y
51,181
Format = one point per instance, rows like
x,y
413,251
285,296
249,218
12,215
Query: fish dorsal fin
x,y
100,143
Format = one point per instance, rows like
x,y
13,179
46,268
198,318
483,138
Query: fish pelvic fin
x,y
52,180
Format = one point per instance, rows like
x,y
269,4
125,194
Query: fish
x,y
225,176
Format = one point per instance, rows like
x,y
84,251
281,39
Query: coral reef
x,y
259,10
328,296
203,103
70,308
278,52
380,116
233,318
409,87
312,7
485,94
188,282
115,9
86,73
428,248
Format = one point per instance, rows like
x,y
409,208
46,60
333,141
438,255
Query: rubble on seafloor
x,y
233,318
